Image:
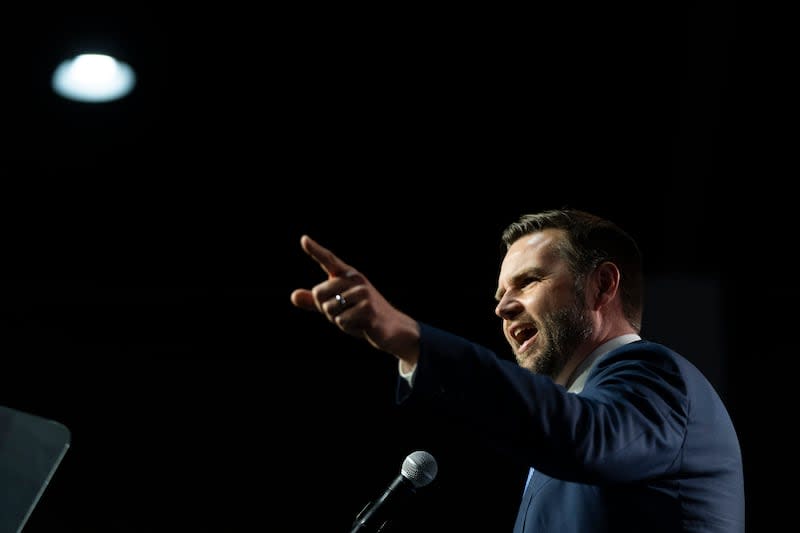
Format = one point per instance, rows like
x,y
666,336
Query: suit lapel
x,y
536,483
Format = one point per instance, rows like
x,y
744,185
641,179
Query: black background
x,y
150,245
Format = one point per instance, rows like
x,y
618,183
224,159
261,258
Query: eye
x,y
527,281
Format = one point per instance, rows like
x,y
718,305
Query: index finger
x,y
329,262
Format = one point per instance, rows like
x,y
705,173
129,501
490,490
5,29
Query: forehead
x,y
534,250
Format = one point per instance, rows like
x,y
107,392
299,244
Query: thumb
x,y
303,299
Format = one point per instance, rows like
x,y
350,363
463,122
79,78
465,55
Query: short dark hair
x,y
590,241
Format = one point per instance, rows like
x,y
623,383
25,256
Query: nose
x,y
507,308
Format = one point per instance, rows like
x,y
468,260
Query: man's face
x,y
542,308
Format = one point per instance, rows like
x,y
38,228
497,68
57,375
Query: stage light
x,y
93,78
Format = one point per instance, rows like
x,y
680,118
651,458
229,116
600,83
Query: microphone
x,y
418,470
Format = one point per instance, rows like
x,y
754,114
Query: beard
x,y
562,332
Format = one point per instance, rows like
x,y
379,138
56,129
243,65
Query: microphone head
x,y
419,468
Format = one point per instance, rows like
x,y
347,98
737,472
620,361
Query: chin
x,y
526,361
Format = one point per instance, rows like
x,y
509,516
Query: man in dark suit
x,y
620,434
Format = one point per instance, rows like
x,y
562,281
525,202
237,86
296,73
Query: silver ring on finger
x,y
342,301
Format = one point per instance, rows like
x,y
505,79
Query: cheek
x,y
534,304
544,302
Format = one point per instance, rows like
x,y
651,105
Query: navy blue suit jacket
x,y
646,447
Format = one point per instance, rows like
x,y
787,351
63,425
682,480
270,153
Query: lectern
x,y
31,448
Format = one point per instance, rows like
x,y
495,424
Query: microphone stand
x,y
374,517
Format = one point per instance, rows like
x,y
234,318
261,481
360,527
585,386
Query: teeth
x,y
522,333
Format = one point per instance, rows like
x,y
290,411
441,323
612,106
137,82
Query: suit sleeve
x,y
627,424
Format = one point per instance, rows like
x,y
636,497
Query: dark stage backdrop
x,y
215,405
149,248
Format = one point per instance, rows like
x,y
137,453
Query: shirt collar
x,y
582,372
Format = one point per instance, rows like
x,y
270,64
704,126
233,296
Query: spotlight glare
x,y
93,78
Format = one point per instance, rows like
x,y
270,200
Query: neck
x,y
575,365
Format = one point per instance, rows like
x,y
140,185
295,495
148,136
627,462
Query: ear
x,y
605,284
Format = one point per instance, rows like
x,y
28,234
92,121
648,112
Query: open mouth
x,y
524,336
